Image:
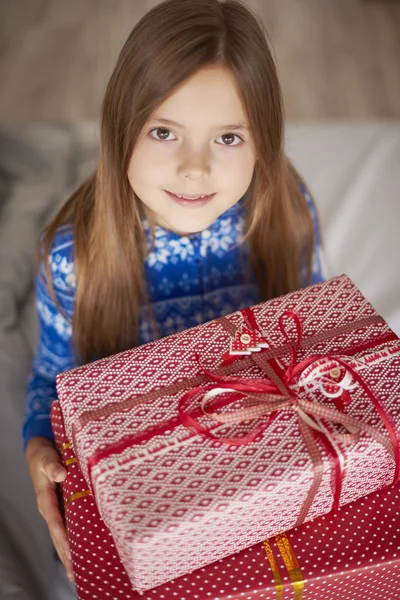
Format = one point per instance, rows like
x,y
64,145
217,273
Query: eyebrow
x,y
175,124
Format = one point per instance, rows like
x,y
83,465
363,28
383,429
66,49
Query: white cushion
x,y
353,171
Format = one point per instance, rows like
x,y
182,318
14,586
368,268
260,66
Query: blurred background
x,y
337,59
338,62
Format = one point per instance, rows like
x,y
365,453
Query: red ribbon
x,y
268,398
295,369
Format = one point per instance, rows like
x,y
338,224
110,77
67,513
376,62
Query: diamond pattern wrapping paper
x,y
352,554
320,380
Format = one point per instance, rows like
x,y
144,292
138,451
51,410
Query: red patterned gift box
x,y
206,442
351,554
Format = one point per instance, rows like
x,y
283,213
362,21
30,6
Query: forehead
x,y
209,98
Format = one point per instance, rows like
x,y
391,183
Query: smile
x,y
190,199
191,196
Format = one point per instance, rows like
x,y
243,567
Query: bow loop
x,y
263,398
293,345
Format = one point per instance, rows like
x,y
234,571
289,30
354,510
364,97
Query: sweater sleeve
x,y
317,269
54,353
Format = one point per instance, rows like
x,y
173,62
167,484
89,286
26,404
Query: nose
x,y
194,163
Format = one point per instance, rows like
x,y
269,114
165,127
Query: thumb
x,y
55,471
59,473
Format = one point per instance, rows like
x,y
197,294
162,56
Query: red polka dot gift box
x,y
350,554
204,443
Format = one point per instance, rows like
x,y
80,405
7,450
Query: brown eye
x,y
230,139
160,133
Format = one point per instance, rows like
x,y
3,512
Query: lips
x,y
191,196
190,200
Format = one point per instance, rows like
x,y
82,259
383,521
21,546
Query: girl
x,y
193,211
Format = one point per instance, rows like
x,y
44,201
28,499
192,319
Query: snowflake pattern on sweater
x,y
190,280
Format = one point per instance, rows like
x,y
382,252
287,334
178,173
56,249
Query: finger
x,y
70,572
59,536
54,470
49,509
65,555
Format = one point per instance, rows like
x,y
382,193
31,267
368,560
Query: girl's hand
x,y
46,469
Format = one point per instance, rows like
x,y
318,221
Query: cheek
x,y
150,163
141,168
239,167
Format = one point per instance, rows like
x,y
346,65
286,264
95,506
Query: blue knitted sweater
x,y
190,280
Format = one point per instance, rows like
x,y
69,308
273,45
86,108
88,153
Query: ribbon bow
x,y
265,397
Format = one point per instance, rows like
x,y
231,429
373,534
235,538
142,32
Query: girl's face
x,y
197,143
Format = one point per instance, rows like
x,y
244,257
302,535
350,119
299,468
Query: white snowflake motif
x,y
169,326
214,276
64,270
38,406
166,286
239,228
71,280
198,318
146,331
185,283
62,326
226,226
44,312
159,255
180,324
219,241
181,248
230,272
316,264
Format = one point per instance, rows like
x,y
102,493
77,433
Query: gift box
x,y
353,553
204,443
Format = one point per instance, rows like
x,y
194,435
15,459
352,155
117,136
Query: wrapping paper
x,y
303,421
353,553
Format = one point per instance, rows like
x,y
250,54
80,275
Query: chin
x,y
189,227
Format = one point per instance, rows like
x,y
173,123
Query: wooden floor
x,y
338,59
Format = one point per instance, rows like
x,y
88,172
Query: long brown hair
x,y
168,45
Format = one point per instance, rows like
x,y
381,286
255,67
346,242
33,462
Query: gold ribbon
x,y
291,564
275,570
76,496
67,462
293,567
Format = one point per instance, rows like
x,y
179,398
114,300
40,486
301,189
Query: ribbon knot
x,y
265,397
293,346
